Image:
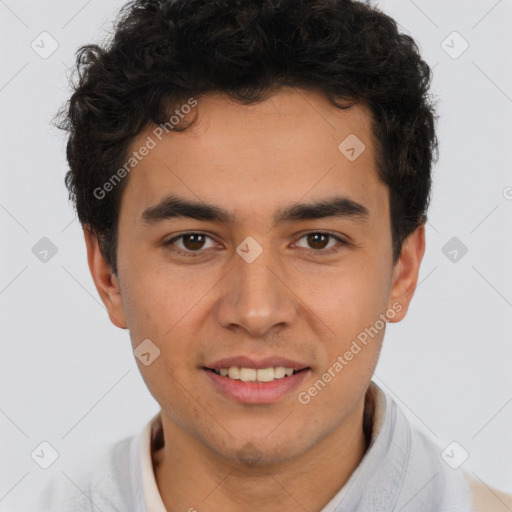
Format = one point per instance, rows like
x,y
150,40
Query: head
x,y
253,179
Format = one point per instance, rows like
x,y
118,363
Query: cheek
x,y
159,299
351,304
348,299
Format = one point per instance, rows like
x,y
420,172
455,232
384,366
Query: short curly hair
x,y
165,50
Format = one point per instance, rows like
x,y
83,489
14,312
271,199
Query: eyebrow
x,y
178,207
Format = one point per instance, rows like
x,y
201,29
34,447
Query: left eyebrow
x,y
177,207
341,207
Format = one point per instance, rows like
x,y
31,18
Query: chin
x,y
260,452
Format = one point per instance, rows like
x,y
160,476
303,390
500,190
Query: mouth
x,y
260,375
255,386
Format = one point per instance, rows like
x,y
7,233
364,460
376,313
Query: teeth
x,y
279,372
265,374
253,375
248,374
234,372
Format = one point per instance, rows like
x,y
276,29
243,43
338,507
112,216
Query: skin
x,y
292,301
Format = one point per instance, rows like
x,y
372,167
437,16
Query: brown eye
x,y
319,242
193,241
190,244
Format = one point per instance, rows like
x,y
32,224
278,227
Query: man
x,y
253,180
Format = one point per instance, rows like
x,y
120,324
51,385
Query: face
x,y
287,262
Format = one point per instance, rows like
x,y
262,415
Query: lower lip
x,y
256,392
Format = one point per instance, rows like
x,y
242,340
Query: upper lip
x,y
250,362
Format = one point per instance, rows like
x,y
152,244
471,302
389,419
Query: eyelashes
x,y
183,251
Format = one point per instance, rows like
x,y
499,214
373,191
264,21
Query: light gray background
x,y
68,376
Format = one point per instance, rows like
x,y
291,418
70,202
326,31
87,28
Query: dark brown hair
x,y
163,51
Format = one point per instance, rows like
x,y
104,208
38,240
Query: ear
x,y
105,280
406,271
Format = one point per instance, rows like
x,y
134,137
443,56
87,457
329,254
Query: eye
x,y
193,244
317,242
189,243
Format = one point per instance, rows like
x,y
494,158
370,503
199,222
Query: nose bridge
x,y
255,279
256,299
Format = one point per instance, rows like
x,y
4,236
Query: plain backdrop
x,y
68,377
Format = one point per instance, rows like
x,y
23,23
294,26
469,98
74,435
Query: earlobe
x,y
105,280
405,273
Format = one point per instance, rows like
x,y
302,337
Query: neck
x,y
190,476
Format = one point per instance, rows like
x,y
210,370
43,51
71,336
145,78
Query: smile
x,y
256,386
255,375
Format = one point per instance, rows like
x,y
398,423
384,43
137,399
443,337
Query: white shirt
x,y
402,470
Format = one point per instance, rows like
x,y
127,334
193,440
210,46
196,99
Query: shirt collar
x,y
150,438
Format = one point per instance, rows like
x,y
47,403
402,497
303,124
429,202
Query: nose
x,y
257,297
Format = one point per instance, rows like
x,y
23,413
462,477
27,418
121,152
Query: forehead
x,y
294,146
